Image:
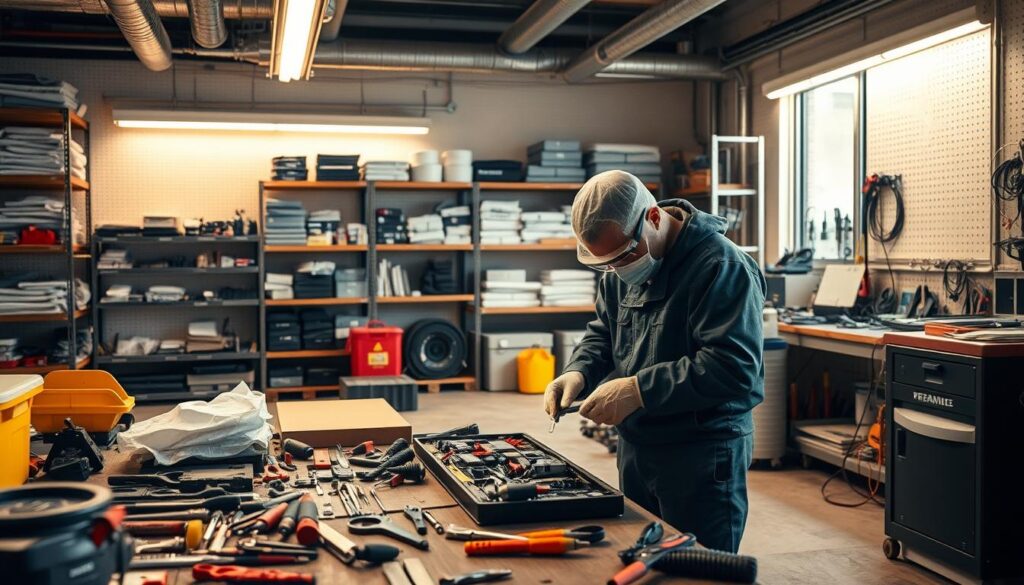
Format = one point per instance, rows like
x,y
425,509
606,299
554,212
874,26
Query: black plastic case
x,y
487,512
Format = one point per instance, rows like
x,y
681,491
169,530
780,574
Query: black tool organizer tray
x,y
474,500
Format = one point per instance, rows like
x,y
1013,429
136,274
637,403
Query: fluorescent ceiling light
x,y
864,64
293,44
254,121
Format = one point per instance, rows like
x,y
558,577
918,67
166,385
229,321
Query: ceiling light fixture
x,y
296,27
256,121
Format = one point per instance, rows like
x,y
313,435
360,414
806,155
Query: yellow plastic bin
x,y
93,399
16,395
536,367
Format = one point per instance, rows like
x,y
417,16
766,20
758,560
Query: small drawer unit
x,y
954,425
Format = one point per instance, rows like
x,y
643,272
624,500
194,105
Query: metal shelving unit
x,y
748,197
73,188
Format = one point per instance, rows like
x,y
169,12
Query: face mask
x,y
639,272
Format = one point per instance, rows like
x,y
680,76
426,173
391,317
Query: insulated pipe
x,y
539,20
331,28
636,34
233,9
141,27
207,19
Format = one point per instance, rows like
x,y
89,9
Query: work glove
x,y
562,391
613,401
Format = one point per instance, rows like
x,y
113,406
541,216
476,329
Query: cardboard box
x,y
326,423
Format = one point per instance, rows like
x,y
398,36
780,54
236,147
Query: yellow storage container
x,y
93,399
536,367
16,395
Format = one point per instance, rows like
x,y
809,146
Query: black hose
x,y
712,565
873,208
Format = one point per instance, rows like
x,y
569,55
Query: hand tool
x,y
353,497
417,572
211,529
412,472
169,561
271,547
237,574
415,514
688,561
223,503
268,520
128,494
349,509
403,456
459,533
373,524
517,492
562,412
191,530
365,448
470,429
233,478
306,532
339,457
326,510
647,556
193,514
169,545
532,546
291,517
298,449
438,527
362,495
397,447
243,520
347,552
321,458
220,538
272,472
484,576
286,464
373,492
394,573
316,486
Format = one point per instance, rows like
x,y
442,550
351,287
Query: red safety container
x,y
376,350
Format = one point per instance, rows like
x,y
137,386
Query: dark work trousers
x,y
698,487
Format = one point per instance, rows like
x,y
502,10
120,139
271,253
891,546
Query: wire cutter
x,y
647,551
375,524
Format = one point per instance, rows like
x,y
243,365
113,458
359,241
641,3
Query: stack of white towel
x,y
458,224
509,288
545,225
425,229
159,293
27,90
500,222
567,287
38,151
41,297
114,258
120,293
279,286
385,170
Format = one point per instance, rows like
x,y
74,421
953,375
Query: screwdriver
x,y
307,532
533,546
561,413
291,517
269,519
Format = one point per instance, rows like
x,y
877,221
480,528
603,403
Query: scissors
x,y
377,524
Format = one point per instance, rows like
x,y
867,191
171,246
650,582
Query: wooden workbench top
x,y
830,331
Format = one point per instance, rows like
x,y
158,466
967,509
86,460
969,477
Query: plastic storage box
x,y
16,395
376,350
401,392
92,398
565,343
500,350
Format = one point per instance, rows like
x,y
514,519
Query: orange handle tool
x,y
308,530
269,519
202,573
533,546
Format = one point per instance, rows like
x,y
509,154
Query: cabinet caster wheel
x,y
891,548
776,463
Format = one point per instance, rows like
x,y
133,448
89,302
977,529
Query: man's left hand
x,y
613,401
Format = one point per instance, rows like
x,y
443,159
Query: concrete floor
x,y
796,536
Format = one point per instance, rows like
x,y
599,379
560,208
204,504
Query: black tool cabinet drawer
x,y
939,374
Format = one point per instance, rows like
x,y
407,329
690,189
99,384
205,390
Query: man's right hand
x,y
562,392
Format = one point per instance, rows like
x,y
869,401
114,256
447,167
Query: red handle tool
x,y
308,530
648,557
532,546
236,574
269,519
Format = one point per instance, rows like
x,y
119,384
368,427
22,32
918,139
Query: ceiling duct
x,y
636,34
207,19
233,9
141,27
539,20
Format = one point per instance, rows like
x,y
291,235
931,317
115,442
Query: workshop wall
x,y
187,173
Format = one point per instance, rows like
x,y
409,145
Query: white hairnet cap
x,y
610,200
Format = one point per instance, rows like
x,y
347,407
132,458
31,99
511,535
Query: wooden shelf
x,y
421,186
33,249
39,318
425,299
312,185
316,249
306,353
499,186
533,310
527,247
50,118
326,302
48,182
82,363
424,247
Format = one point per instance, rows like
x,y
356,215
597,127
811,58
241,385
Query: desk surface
x,y
588,565
864,336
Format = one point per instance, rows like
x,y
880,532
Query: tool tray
x,y
602,501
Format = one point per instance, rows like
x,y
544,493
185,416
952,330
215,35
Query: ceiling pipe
x,y
636,34
207,19
233,9
539,20
141,27
332,28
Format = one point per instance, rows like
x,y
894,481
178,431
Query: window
x,y
828,143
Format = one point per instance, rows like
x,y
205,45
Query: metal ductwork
x,y
332,27
233,9
141,27
208,27
539,20
374,55
636,34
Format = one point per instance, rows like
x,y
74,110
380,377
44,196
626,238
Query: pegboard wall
x,y
929,120
1011,17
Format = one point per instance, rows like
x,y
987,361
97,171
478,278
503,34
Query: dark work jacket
x,y
692,337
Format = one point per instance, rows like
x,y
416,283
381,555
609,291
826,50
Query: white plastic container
x,y
426,157
770,415
458,173
427,173
457,157
770,322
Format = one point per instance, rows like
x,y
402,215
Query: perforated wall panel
x,y
930,121
1012,21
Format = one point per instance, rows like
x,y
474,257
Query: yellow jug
x,y
536,369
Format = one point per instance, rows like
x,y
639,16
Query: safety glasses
x,y
607,263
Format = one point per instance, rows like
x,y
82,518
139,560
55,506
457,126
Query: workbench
x,y
864,343
589,565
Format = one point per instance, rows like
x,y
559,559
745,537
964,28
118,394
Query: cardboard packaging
x,y
326,423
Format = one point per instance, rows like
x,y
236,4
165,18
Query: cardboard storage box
x,y
326,423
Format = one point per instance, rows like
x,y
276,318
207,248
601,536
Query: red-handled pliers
x,y
237,574
646,557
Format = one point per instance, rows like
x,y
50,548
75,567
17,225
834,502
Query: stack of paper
x,y
392,280
545,225
509,288
279,286
203,336
425,229
567,287
500,222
